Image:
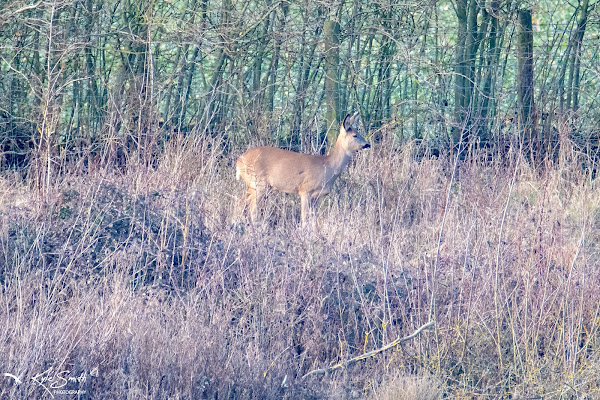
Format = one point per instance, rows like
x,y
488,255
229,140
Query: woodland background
x,y
104,81
477,207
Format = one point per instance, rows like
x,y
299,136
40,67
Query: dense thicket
x,y
102,81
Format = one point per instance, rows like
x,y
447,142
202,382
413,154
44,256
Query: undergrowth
x,y
143,283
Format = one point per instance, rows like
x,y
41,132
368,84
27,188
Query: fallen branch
x,y
344,364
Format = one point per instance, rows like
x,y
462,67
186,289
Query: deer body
x,y
309,176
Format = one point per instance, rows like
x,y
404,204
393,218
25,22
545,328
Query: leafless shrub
x,y
138,281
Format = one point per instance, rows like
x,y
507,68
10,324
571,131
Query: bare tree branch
x,y
388,346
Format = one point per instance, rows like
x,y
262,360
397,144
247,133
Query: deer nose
x,y
366,146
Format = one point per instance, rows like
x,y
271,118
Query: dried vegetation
x,y
139,282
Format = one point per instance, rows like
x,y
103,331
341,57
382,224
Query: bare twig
x,y
347,363
11,14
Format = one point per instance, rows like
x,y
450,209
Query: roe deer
x,y
310,176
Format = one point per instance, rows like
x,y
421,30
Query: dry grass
x,y
138,284
406,387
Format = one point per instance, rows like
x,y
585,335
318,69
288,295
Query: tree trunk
x,y
460,70
493,55
525,82
331,30
581,25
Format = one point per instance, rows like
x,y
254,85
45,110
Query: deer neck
x,y
338,158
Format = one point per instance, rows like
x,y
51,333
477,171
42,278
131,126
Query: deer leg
x,y
248,202
309,205
240,208
251,202
304,207
256,194
313,206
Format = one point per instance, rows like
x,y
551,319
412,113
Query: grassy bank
x,y
136,284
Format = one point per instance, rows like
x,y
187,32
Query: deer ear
x,y
347,123
353,119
